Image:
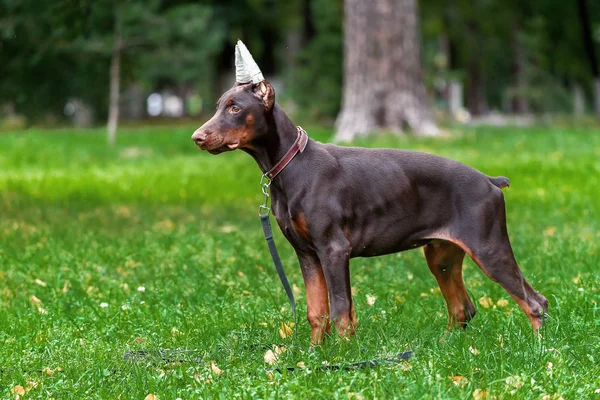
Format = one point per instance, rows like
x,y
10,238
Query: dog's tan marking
x,y
300,226
318,306
533,318
445,262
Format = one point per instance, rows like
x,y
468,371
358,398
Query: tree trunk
x,y
476,99
578,101
597,96
383,87
443,67
308,25
115,67
455,97
588,43
520,105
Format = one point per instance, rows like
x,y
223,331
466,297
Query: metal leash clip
x,y
265,183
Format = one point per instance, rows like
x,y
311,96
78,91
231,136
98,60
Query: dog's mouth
x,y
218,147
218,150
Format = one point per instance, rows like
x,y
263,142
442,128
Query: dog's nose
x,y
199,136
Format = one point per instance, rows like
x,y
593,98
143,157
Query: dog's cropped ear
x,y
265,92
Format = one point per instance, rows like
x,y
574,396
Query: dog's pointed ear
x,y
265,92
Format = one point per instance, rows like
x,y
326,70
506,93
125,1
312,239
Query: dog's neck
x,y
279,138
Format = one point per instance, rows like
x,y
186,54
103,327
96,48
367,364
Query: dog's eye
x,y
234,109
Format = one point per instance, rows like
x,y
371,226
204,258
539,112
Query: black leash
x,y
395,359
266,224
263,211
163,356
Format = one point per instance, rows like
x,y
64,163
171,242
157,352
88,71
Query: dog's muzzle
x,y
199,137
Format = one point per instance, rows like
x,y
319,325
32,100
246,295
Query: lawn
x,y
156,245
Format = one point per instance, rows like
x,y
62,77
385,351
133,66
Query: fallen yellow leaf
x,y
514,381
270,357
502,303
458,380
371,300
66,287
50,372
479,394
165,225
486,302
35,301
285,331
357,396
132,264
18,390
151,397
215,368
30,385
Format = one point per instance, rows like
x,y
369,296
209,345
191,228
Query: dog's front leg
x,y
317,303
335,258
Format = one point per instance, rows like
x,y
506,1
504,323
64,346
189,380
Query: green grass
x,y
82,225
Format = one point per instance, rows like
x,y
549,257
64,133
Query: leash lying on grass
x,y
395,359
195,356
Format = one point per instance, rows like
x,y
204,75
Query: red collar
x,y
297,147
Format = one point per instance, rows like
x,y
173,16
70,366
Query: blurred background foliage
x,y
511,56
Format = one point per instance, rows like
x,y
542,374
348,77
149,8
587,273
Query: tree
x,y
40,72
318,62
155,40
383,87
182,62
114,30
590,50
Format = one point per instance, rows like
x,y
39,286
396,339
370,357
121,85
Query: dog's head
x,y
242,112
241,117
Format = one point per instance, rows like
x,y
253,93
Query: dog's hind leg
x,y
488,245
499,264
445,263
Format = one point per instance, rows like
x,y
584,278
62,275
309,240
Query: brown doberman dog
x,y
333,203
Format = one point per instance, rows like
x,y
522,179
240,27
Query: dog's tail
x,y
499,181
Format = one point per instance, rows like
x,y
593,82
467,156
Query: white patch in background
x,y
173,106
154,105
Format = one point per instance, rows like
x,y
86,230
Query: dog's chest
x,y
294,226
